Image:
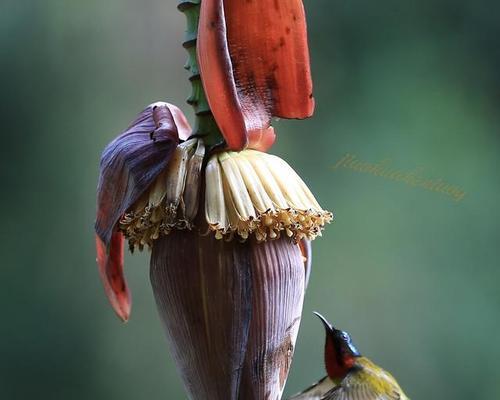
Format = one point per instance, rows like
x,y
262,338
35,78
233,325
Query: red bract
x,y
110,263
254,63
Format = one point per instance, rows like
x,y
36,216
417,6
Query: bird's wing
x,y
361,391
315,391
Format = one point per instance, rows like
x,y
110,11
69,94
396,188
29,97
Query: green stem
x,y
205,124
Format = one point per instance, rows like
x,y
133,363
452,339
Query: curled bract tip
x,y
110,263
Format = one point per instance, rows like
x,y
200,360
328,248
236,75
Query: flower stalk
x,y
205,125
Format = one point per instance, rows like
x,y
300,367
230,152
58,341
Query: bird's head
x,y
340,352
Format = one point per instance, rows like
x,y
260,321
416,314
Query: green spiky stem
x,y
205,124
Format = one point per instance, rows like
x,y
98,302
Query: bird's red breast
x,y
337,363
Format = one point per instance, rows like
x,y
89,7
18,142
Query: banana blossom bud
x,y
229,232
231,311
227,272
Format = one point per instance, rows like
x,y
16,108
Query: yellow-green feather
x,y
367,381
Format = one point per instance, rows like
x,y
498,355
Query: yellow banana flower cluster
x,y
251,192
246,193
171,202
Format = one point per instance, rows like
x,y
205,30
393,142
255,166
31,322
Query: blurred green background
x,y
412,274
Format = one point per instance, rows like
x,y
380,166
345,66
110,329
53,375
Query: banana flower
x,y
229,227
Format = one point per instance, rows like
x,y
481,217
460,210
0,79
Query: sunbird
x,y
350,376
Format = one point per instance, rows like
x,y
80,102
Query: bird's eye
x,y
345,336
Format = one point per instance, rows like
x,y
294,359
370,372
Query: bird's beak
x,y
328,326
